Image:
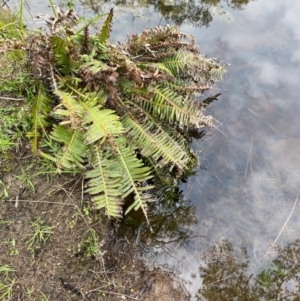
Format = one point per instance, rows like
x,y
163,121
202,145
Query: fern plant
x,y
118,114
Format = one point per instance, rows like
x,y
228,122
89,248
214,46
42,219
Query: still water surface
x,y
247,185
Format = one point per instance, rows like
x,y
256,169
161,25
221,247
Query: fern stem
x,y
21,25
53,8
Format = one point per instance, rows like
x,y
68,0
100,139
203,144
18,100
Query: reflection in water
x,y
225,275
197,13
169,218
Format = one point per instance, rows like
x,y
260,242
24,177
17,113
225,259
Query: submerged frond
x,y
217,72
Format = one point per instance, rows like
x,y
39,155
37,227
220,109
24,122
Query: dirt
x,y
78,256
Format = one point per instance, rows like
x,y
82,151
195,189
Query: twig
x,y
113,293
215,127
261,119
32,201
11,98
274,242
249,160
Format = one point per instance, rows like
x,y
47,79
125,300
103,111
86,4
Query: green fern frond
x,y
99,50
87,23
73,110
202,69
40,109
170,106
121,113
93,65
175,63
104,181
217,72
134,173
164,68
114,177
179,141
106,28
156,143
74,150
101,123
63,51
84,95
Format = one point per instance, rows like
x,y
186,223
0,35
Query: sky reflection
x,y
253,167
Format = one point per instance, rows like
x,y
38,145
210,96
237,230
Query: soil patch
x,y
54,247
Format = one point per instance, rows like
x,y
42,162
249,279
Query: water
x,y
253,166
249,181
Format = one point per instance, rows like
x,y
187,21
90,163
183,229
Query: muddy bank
x,y
54,247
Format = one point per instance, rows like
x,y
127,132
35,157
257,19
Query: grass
x,y
6,285
13,249
90,246
5,222
25,178
14,123
5,270
14,88
6,290
40,235
29,293
3,191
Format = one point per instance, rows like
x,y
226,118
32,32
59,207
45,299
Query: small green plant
x,y
5,221
6,290
90,246
13,125
29,293
73,220
3,190
265,279
44,297
7,285
41,234
13,250
46,167
5,270
72,223
25,178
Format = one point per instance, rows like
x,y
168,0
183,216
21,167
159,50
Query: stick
x,y
274,242
11,98
32,201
